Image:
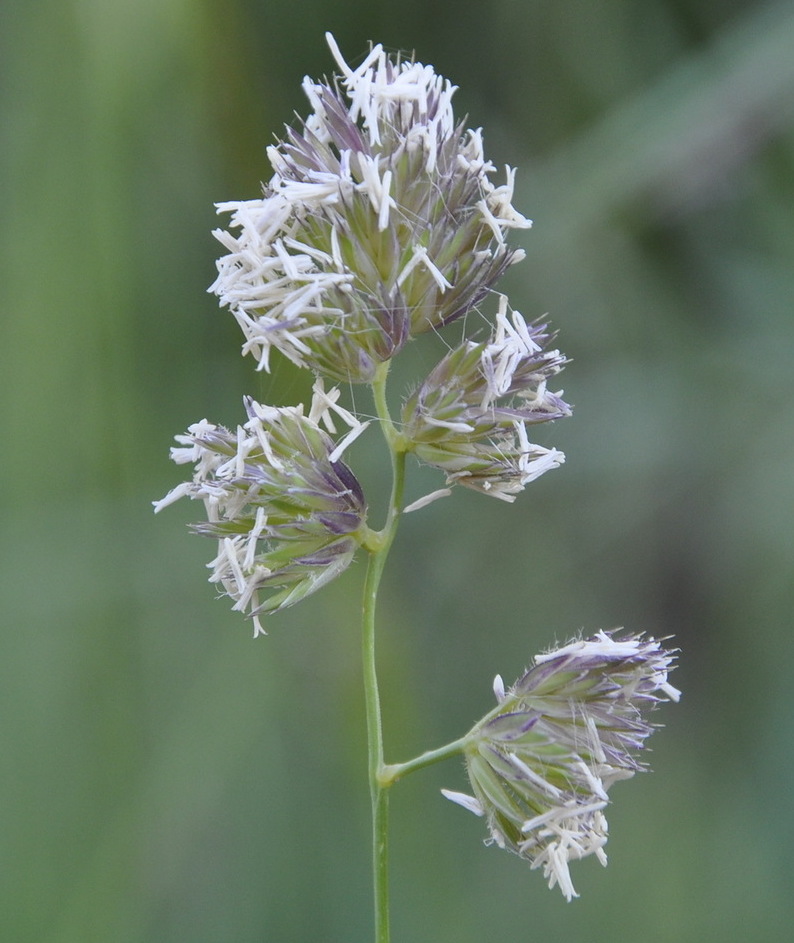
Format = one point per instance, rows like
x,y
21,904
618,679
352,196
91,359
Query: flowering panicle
x,y
469,417
541,763
379,222
287,513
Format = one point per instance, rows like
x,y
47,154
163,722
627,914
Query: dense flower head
x,y
469,416
287,513
380,222
541,763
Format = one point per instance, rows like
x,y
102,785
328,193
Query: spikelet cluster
x,y
541,764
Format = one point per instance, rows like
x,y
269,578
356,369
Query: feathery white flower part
x,y
501,206
323,405
562,834
467,802
379,91
420,257
511,345
181,491
427,499
598,644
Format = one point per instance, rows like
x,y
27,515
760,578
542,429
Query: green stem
x,y
379,545
391,772
394,771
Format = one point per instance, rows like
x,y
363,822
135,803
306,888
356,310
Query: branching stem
x,y
382,776
379,550
391,772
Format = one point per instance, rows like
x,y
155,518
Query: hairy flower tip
x,y
287,514
469,417
541,763
380,221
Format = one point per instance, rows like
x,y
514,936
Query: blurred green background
x,y
165,778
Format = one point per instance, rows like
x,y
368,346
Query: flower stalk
x,y
393,772
377,560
